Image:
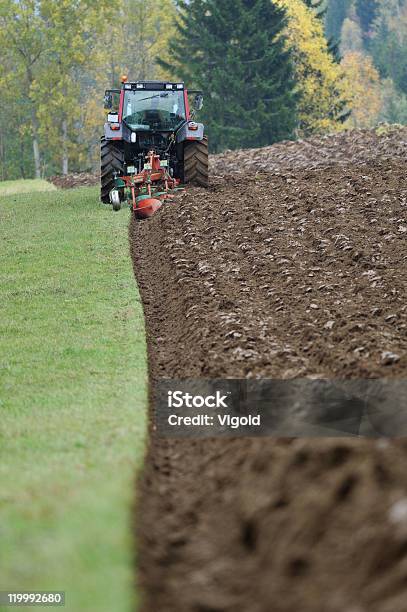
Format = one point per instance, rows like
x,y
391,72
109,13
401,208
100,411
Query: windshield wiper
x,y
161,95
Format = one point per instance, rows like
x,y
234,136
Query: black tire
x,y
111,160
196,163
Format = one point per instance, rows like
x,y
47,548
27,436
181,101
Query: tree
x,y
56,58
336,12
22,44
236,51
389,42
72,30
316,5
351,36
366,11
322,104
394,104
49,43
365,89
16,145
320,9
139,34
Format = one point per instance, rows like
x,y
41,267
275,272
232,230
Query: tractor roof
x,y
153,85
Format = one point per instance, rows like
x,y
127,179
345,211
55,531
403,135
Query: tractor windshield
x,y
149,110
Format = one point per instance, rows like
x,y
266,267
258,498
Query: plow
x,y
146,191
152,145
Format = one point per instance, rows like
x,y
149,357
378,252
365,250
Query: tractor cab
x,y
151,105
150,110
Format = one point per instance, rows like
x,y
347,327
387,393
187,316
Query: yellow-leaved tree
x,y
72,31
320,79
22,48
139,34
365,90
56,58
50,48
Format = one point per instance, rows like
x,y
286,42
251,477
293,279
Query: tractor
x,y
151,145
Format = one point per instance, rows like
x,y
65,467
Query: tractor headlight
x,y
133,137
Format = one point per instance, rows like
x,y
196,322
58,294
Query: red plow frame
x,y
149,189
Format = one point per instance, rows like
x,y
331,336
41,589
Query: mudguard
x,y
113,134
185,133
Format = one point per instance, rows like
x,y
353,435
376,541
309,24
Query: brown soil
x,y
79,179
297,273
352,147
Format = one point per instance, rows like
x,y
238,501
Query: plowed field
x,y
292,264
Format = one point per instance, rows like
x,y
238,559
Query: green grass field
x,y
28,186
72,398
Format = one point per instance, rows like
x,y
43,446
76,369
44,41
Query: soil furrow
x,y
280,276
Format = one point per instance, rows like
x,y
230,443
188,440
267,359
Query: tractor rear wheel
x,y
111,161
196,162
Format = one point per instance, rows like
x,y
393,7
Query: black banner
x,y
280,408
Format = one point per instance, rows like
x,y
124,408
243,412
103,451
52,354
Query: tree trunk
x,y
2,156
22,158
36,147
64,147
34,127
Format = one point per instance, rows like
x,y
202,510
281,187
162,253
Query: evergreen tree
x,y
317,5
366,11
320,7
336,12
389,51
235,51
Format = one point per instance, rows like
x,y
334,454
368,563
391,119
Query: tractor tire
x,y
196,162
111,160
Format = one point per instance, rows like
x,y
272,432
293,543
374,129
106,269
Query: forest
x,y
270,70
